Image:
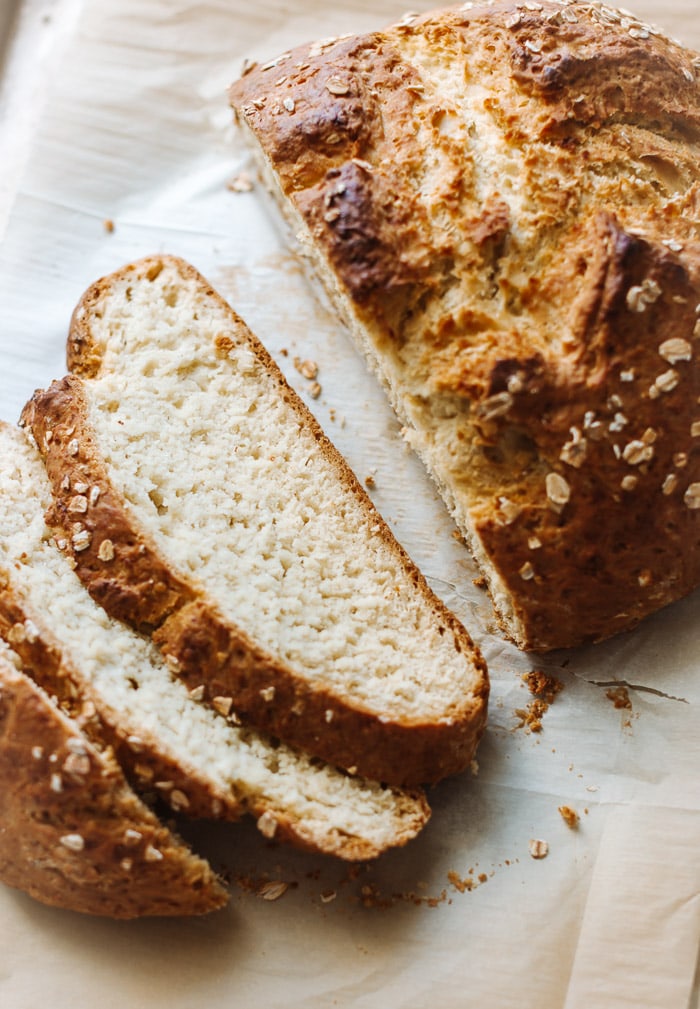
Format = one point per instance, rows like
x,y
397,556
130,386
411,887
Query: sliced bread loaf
x,y
73,834
200,500
502,200
117,687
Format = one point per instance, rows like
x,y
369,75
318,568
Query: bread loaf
x,y
221,519
117,688
503,201
73,833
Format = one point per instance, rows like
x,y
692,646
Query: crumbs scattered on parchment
x,y
309,370
620,697
544,688
241,183
538,848
262,886
357,890
569,816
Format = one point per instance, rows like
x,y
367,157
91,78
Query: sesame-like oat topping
x,y
676,349
81,540
692,496
105,551
527,572
558,490
267,824
74,842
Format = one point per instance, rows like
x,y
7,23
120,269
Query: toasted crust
x,y
73,833
137,585
91,665
503,203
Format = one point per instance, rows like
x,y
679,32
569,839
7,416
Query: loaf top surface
x,y
505,197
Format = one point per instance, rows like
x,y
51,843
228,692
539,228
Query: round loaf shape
x,y
503,200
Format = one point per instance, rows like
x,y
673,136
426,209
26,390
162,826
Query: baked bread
x,y
503,201
73,833
117,688
224,522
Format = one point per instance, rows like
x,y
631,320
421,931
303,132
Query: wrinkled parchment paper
x,y
117,112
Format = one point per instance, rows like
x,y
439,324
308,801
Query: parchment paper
x,y
117,111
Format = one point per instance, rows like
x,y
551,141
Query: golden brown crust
x,y
144,765
135,584
73,834
160,778
547,333
204,649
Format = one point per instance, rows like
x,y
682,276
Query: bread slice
x,y
117,687
74,835
501,200
201,501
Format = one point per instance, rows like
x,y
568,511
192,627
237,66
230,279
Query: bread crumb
x,y
108,225
370,482
273,890
307,368
241,183
569,816
542,685
461,884
531,716
538,848
620,697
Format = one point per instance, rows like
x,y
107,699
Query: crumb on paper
x,y
544,689
538,849
461,883
328,895
241,183
370,482
542,685
569,816
620,697
307,368
108,225
531,716
315,390
273,890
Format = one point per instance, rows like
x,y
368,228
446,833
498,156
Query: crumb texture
x,y
221,519
117,685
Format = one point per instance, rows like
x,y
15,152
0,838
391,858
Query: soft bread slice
x,y
117,686
73,833
501,200
200,500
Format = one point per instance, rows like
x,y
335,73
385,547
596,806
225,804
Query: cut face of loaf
x,y
503,203
73,833
118,688
200,500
